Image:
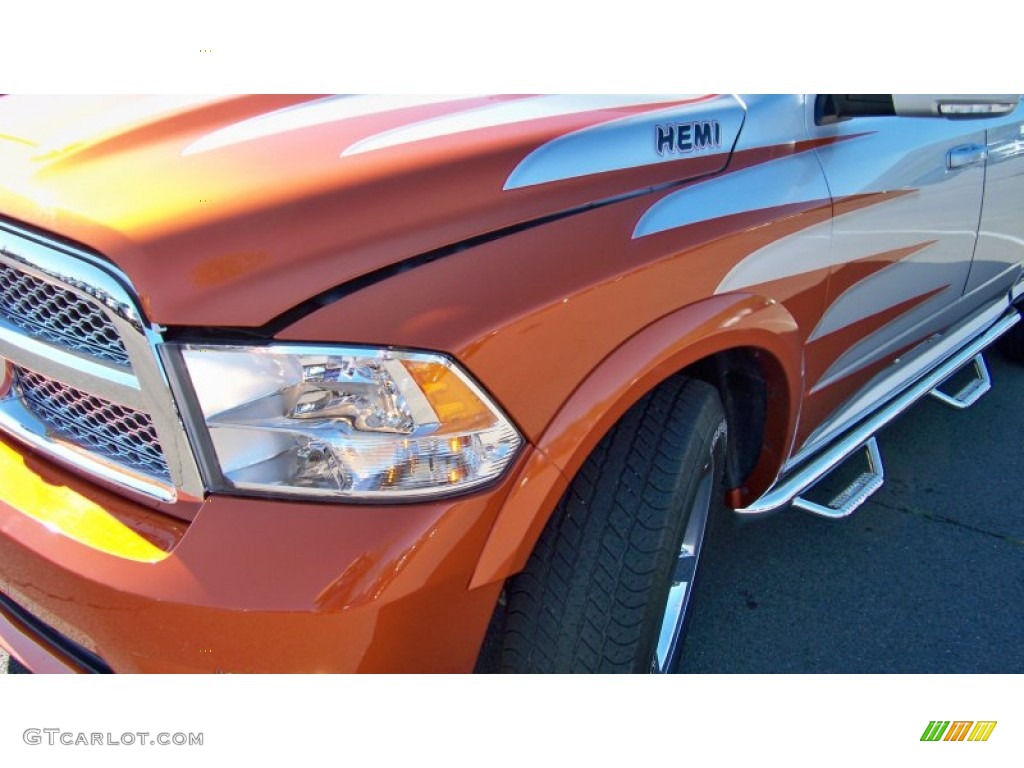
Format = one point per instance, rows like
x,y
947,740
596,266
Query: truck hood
x,y
233,210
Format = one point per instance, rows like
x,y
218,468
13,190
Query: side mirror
x,y
832,107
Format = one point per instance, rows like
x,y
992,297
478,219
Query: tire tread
x,y
583,604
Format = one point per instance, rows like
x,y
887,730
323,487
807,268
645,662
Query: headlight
x,y
345,422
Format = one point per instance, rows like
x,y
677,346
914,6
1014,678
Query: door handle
x,y
965,155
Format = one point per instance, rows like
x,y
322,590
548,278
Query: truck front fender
x,y
663,348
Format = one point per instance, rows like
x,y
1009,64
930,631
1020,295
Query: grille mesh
x,y
119,434
58,316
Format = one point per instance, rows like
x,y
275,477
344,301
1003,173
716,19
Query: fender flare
x,y
639,364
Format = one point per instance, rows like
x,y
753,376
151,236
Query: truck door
x,y
999,255
907,196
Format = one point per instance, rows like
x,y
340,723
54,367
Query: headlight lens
x,y
346,422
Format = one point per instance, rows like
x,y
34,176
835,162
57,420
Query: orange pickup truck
x,y
435,383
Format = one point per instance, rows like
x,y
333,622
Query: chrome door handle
x,y
965,155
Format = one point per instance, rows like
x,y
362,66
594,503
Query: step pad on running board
x,y
856,493
972,391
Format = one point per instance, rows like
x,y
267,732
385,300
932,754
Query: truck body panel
x,y
565,257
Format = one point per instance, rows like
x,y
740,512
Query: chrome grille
x,y
114,432
89,388
59,316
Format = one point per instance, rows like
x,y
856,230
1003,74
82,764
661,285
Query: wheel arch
x,y
744,345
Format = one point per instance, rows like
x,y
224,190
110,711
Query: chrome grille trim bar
x,y
107,381
143,386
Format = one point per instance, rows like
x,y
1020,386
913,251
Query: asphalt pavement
x,y
927,577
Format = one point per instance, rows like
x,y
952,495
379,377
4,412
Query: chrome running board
x,y
820,465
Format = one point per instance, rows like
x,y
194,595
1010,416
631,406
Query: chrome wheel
x,y
673,619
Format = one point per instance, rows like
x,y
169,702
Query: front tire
x,y
608,586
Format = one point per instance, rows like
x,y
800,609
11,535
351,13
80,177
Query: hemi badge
x,y
683,138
